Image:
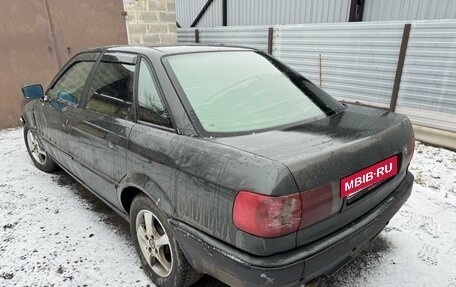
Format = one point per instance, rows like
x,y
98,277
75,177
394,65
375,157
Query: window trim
x,y
160,94
81,57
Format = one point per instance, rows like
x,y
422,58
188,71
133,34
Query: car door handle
x,y
111,140
65,123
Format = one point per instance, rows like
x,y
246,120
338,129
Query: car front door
x,y
62,101
100,130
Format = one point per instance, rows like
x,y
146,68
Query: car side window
x,y
69,88
150,107
111,90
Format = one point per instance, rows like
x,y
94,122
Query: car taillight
x,y
316,205
409,149
267,216
274,216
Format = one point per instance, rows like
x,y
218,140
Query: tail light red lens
x,y
316,205
267,216
410,149
274,216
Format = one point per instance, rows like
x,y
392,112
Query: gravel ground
x,y
53,232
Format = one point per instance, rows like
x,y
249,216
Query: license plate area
x,y
360,180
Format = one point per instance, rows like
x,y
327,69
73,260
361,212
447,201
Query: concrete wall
x,y
151,22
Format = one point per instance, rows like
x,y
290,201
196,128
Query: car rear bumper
x,y
291,268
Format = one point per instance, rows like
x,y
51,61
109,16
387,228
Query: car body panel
x,y
342,144
294,267
54,125
150,167
99,143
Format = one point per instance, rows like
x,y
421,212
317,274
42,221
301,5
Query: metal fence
x,y
351,61
251,36
382,64
263,12
389,10
285,12
428,87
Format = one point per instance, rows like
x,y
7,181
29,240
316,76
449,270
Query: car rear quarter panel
x,y
195,181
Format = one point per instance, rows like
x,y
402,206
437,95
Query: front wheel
x,y
157,246
37,153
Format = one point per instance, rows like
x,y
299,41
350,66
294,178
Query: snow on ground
x,y
418,247
53,232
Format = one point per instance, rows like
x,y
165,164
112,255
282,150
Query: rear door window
x,y
111,90
150,106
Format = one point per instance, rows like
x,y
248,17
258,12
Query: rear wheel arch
x,y
130,189
127,195
179,271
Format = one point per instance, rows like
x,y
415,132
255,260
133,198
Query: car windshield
x,y
246,91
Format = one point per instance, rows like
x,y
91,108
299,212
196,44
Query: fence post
x,y
320,72
197,36
224,13
270,35
356,11
400,66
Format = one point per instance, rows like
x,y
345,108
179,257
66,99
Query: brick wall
x,y
151,22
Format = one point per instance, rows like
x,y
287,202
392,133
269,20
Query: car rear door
x,y
100,130
150,146
63,99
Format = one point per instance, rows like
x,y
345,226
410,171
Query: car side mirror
x,y
33,92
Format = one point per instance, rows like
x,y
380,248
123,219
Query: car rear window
x,y
244,91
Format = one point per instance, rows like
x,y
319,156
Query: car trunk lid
x,y
321,153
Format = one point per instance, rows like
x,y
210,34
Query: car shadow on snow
x,y
366,260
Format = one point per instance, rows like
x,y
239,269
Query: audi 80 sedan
x,y
223,160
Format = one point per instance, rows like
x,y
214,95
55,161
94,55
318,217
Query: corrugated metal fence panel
x,y
263,12
187,10
253,36
213,15
271,12
358,60
428,87
387,10
283,12
186,36
250,36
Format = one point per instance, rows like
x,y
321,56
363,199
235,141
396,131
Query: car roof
x,y
169,49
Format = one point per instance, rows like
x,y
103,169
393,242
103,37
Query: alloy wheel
x,y
37,151
154,243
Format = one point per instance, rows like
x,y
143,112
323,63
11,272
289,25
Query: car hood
x,y
331,148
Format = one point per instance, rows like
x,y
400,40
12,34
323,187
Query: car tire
x,y
153,239
37,153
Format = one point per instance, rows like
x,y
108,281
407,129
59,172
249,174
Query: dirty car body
x,y
257,205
